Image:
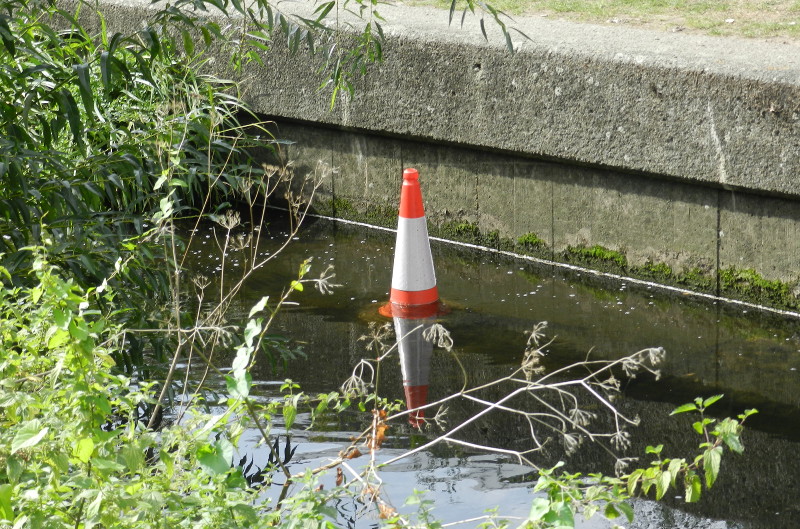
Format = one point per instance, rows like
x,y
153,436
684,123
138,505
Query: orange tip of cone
x,y
416,397
411,196
410,174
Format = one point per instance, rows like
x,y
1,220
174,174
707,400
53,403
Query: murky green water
x,y
751,357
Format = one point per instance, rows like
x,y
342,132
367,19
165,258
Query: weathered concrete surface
x,y
722,111
672,149
719,111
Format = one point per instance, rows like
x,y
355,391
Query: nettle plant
x,y
73,445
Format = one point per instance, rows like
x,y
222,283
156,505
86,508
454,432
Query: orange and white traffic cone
x,y
414,297
414,293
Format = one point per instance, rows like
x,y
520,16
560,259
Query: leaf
x,y
69,109
61,318
289,415
59,338
188,43
748,412
212,460
711,400
711,462
509,44
83,449
733,442
251,331
539,508
684,409
6,510
693,487
239,386
210,425
611,511
7,36
297,285
14,469
161,180
662,485
352,453
93,509
654,449
323,10
207,38
78,329
241,361
179,183
627,510
28,436
103,30
132,456
633,480
560,515
258,307
674,468
85,88
107,465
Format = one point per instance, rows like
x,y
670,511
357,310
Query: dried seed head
x,y
536,334
230,220
201,281
439,336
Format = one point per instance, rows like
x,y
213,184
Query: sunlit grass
x,y
745,18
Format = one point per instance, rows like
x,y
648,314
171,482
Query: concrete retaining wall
x,y
702,109
698,232
671,149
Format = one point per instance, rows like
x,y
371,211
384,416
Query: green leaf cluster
x,y
107,136
74,446
565,495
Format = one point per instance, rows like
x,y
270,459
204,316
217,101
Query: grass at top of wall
x,y
743,18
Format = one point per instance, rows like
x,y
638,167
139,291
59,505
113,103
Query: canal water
x,y
751,356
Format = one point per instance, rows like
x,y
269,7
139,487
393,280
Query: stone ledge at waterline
x,y
676,154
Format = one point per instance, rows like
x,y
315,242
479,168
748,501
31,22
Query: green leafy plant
x,y
568,494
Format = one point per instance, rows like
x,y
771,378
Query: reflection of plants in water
x,y
555,406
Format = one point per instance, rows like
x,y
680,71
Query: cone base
x,y
413,312
414,297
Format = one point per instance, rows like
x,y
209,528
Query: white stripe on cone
x,y
413,263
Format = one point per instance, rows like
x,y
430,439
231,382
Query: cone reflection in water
x,y
415,363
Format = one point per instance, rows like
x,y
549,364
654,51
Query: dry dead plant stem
x,y
554,408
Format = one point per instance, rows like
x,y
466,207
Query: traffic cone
x,y
414,298
414,293
415,364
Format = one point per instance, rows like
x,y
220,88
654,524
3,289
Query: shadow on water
x,y
751,357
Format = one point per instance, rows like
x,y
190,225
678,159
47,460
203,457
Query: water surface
x,y
752,357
